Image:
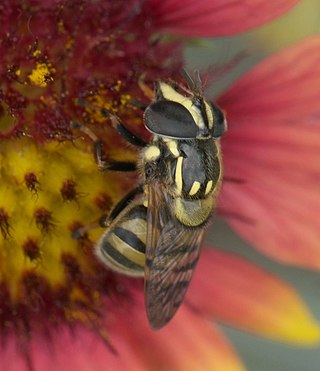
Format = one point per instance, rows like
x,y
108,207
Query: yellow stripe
x,y
178,175
173,147
195,112
208,187
209,115
126,250
195,188
116,266
137,226
171,94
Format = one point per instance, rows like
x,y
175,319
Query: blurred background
x,y
304,20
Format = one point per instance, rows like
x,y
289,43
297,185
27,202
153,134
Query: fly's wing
x,y
172,252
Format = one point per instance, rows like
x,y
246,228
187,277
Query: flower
x,y
274,114
218,18
67,61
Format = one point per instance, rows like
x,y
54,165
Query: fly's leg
x,y
148,92
123,131
104,165
110,165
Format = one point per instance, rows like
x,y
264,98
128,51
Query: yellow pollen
x,y
125,99
69,44
41,74
118,86
61,27
36,53
37,219
95,104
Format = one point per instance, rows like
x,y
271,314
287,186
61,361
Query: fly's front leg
x,y
123,131
104,165
111,165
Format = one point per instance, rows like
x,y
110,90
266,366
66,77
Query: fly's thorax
x,y
190,169
196,171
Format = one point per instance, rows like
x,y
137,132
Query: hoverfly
x,y
156,230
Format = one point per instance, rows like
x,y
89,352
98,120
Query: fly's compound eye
x,y
219,122
170,119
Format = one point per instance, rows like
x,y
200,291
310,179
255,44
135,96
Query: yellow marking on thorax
x,y
178,174
152,153
173,147
195,188
208,187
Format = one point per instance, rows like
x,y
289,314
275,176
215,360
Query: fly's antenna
x,y
198,83
194,83
189,80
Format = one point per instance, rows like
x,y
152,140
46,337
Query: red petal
x,y
187,343
231,290
215,18
272,144
80,350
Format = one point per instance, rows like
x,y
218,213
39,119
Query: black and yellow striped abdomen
x,y
122,247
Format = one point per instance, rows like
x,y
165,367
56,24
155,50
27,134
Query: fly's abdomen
x,y
122,247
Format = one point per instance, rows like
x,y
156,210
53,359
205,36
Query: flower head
x,y
69,61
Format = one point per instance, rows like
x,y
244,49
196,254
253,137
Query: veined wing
x,y
172,252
